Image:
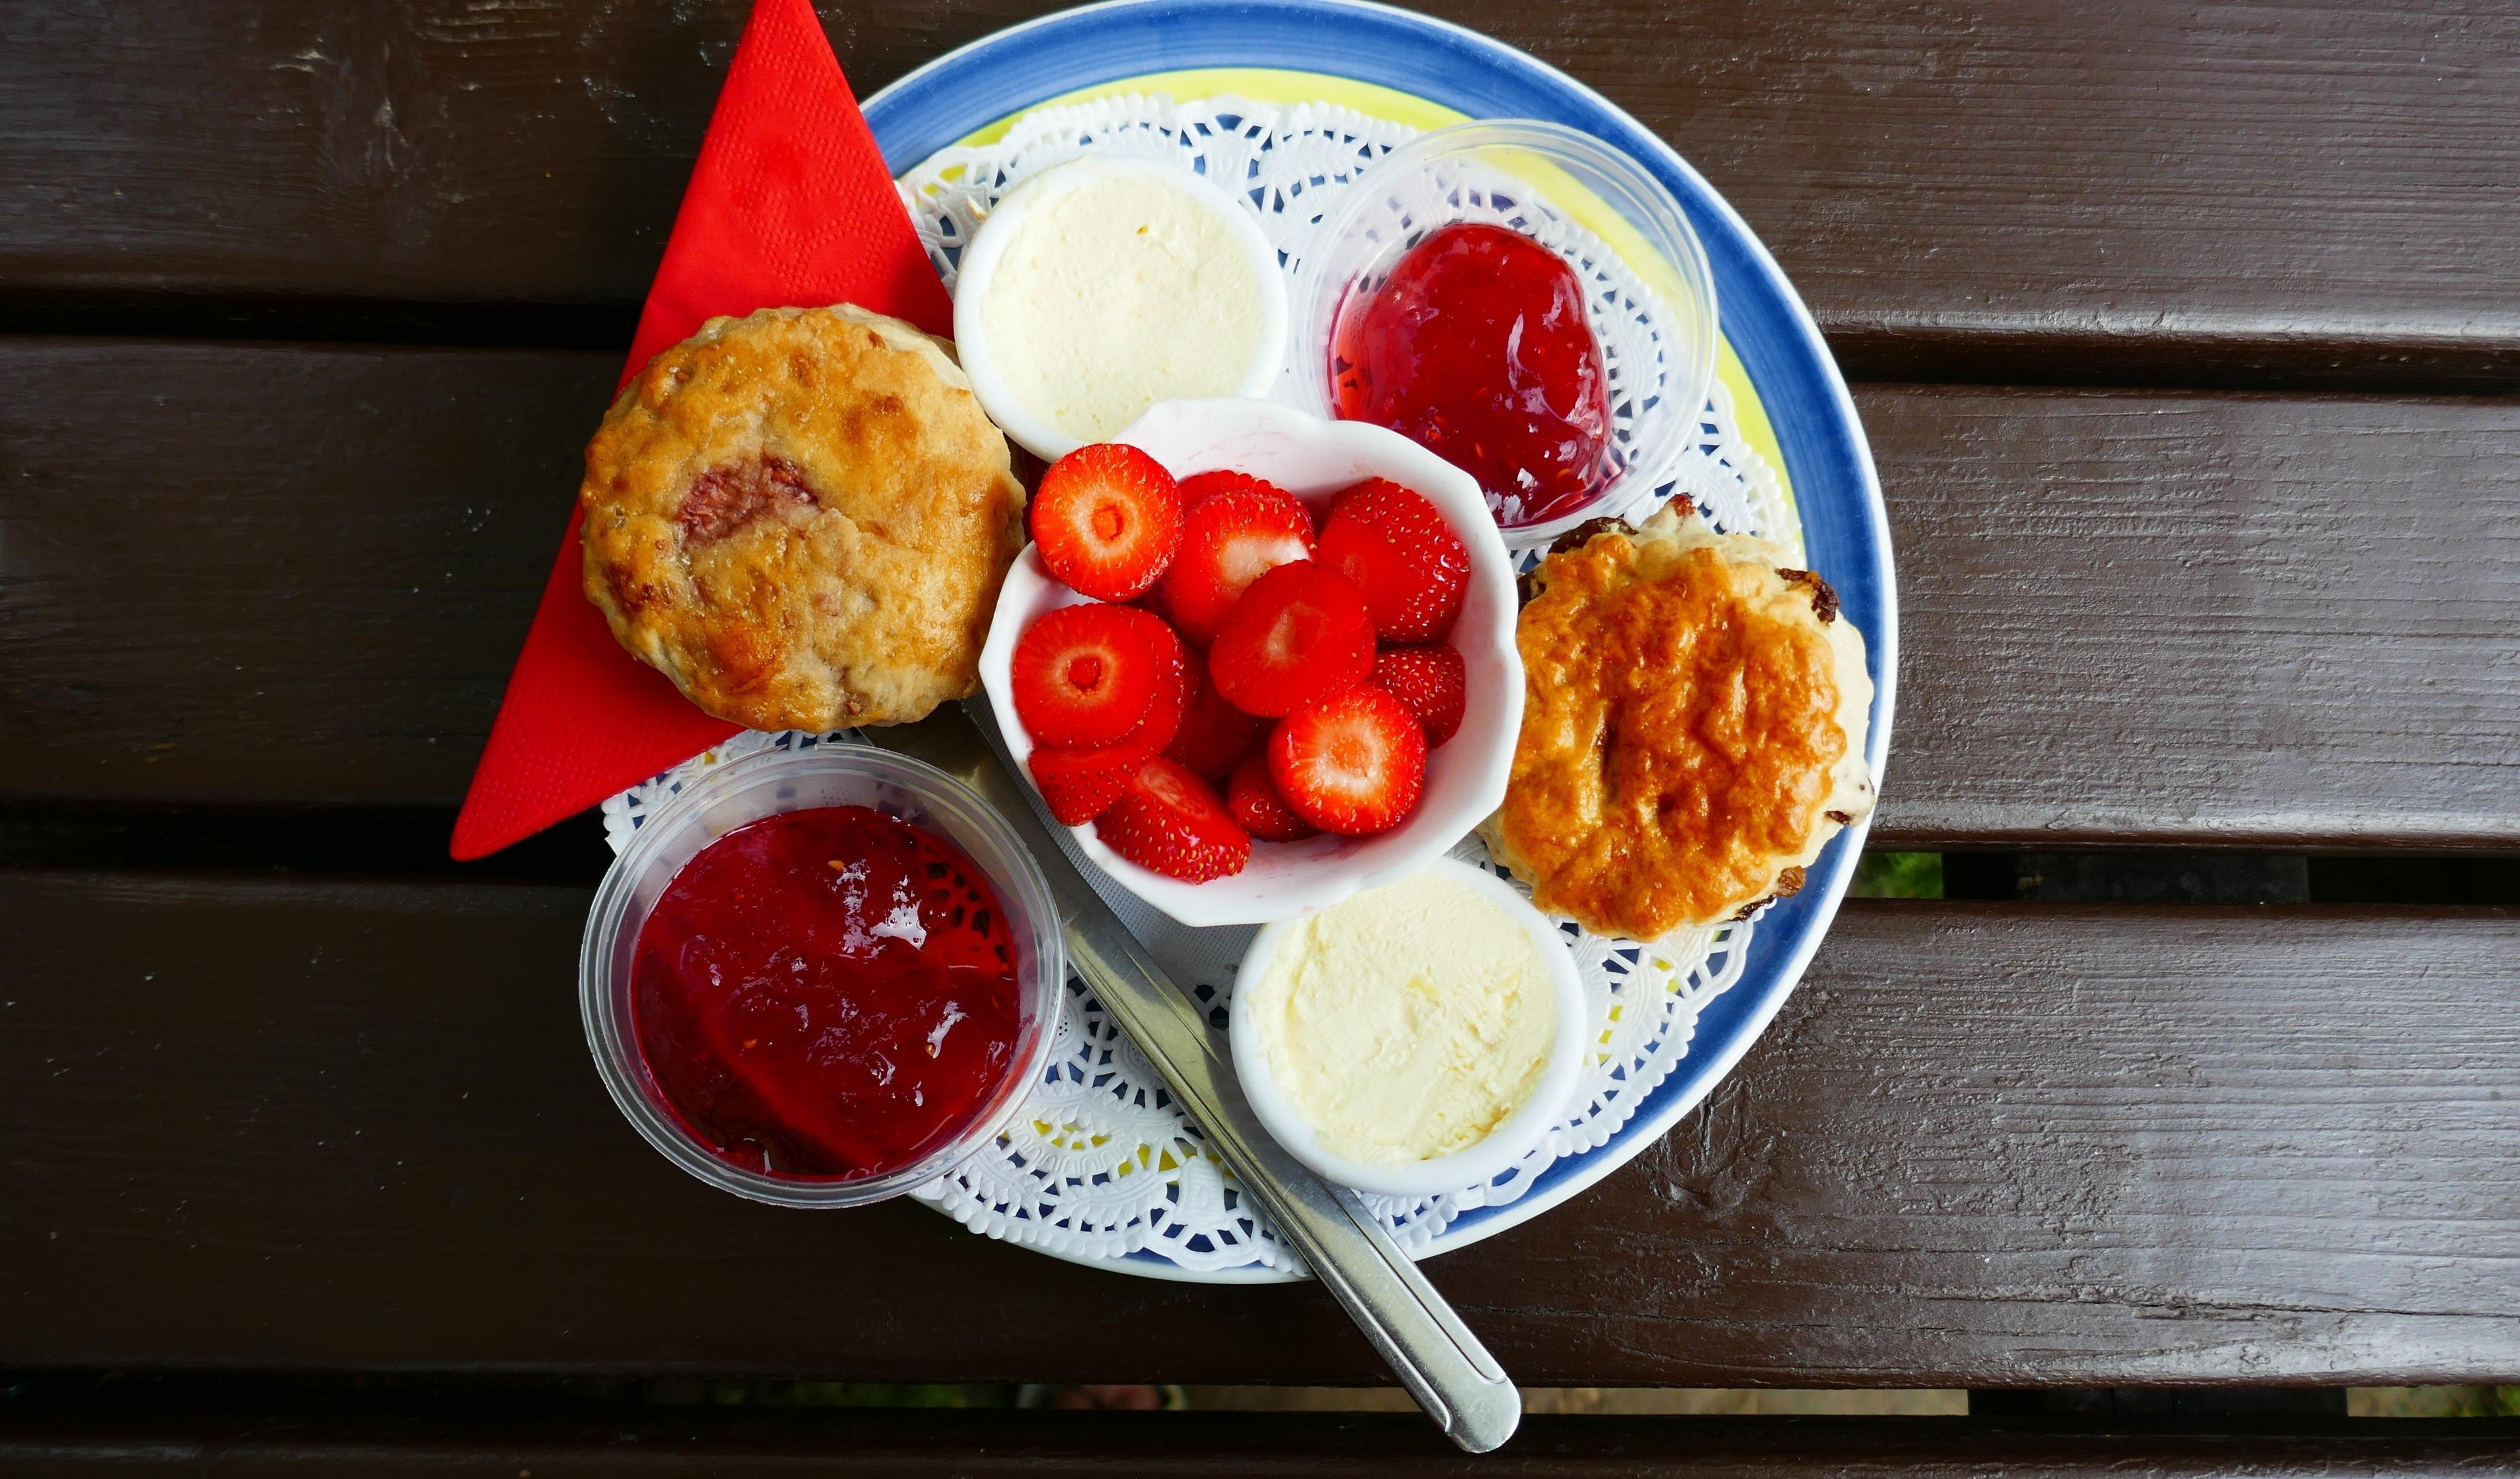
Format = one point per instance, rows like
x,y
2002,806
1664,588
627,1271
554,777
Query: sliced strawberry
x,y
1430,681
1107,517
1080,785
1396,546
1214,735
1299,631
1352,762
1087,675
1254,801
1198,487
1173,683
1235,534
1171,821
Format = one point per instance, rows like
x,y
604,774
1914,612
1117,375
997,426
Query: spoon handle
x,y
1441,1363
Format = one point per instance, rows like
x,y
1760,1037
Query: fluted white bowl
x,y
1465,776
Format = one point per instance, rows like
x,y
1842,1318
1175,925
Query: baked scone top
x,y
1693,728
802,518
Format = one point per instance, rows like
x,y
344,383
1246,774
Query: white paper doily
x,y
1100,1167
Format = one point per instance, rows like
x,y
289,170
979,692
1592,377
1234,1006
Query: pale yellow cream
x,y
1116,292
1406,1022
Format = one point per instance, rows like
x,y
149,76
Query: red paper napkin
x,y
789,203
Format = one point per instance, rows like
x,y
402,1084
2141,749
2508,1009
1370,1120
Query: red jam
x,y
1477,347
826,994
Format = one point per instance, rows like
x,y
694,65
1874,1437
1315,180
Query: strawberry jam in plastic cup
x,y
1524,301
821,977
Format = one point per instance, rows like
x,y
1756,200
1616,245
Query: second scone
x,y
802,517
1692,727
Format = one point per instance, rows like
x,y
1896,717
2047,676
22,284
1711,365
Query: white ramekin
x,y
1004,223
1472,1165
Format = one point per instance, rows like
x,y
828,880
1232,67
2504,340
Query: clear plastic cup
x,y
792,780
1648,293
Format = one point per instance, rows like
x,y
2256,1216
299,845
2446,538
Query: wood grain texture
x,y
240,575
2238,621
299,1126
1959,188
262,576
986,1444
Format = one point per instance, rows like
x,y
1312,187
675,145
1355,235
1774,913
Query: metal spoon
x,y
1441,1363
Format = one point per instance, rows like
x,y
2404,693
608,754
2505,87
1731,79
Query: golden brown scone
x,y
1692,727
802,518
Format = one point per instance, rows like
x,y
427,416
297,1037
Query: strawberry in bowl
x,y
1257,660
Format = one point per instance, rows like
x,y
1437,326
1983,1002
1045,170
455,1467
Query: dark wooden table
x,y
2185,334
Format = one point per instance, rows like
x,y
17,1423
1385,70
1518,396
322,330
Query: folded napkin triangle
x,y
789,203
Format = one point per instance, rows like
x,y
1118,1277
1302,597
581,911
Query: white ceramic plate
x,y
1796,389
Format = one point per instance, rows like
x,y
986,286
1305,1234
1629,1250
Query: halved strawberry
x,y
1173,683
1087,675
1429,681
1396,546
1080,785
1214,735
1237,531
1299,631
1254,801
1198,487
1352,762
1169,820
1107,517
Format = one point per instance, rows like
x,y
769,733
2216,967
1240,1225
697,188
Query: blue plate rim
x,y
1829,459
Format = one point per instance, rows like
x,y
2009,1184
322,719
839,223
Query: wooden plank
x,y
1969,189
239,574
1000,1443
2202,621
261,575
343,1125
